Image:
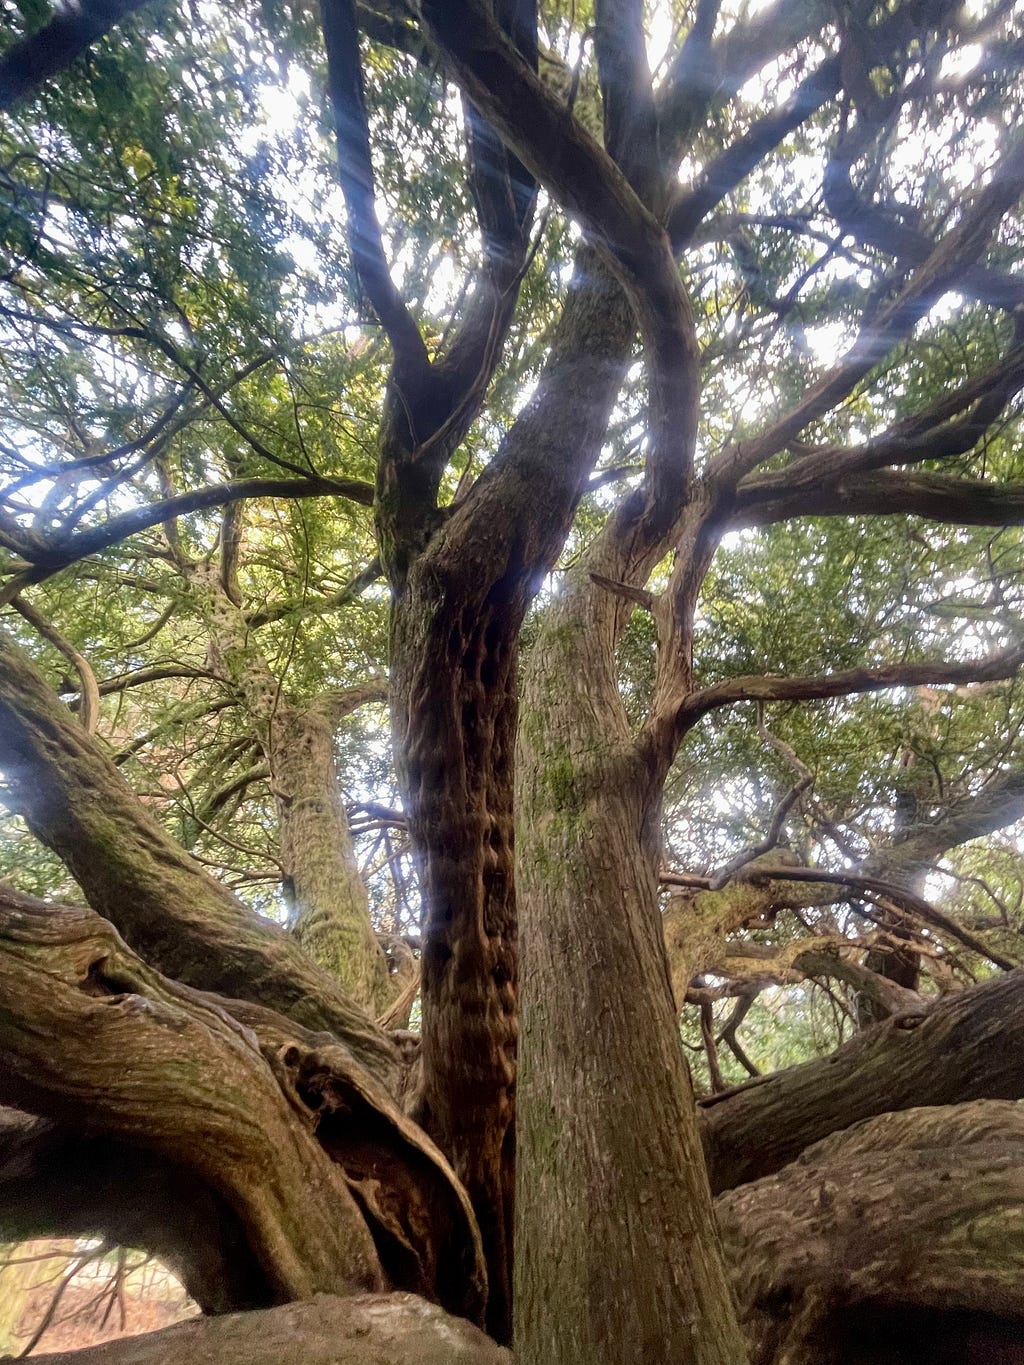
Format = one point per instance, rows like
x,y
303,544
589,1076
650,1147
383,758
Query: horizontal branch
x,y
49,558
936,497
363,1329
767,687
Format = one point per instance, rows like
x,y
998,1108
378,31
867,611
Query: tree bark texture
x,y
363,1329
968,1045
140,1062
331,907
176,916
617,1254
916,1215
460,599
299,1158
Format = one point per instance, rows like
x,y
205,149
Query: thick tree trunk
x,y
331,907
140,1061
169,909
968,1045
462,588
361,1330
916,1216
617,1253
305,1174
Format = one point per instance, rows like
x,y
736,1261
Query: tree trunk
x,y
328,1186
916,1216
361,1330
617,1254
331,907
169,909
462,584
969,1045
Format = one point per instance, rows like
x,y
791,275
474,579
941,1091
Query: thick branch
x,y
969,1045
40,56
167,907
920,1210
142,1061
361,1330
936,497
54,1182
52,557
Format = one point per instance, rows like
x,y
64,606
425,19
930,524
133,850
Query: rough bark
x,y
364,1329
969,1045
331,907
55,1182
141,1061
917,1216
460,599
617,1256
261,1117
173,913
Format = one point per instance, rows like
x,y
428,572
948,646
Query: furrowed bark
x,y
967,1046
364,1329
172,913
459,602
143,1062
396,1188
898,1241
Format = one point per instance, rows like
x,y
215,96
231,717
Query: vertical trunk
x,y
454,721
332,913
617,1251
462,582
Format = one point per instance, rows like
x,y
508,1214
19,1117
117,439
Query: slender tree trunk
x,y
617,1254
331,908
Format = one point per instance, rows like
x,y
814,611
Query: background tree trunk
x,y
330,905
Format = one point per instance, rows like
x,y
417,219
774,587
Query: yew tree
x,y
628,397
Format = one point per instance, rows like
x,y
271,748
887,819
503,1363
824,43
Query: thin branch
x,y
767,687
89,706
50,559
355,170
